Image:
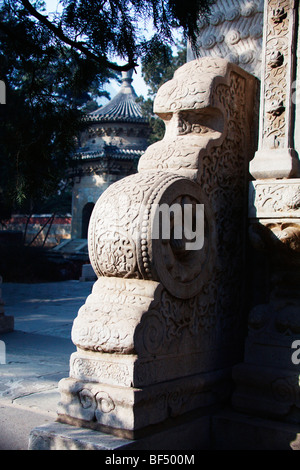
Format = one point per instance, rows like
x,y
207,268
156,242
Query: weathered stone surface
x,y
205,111
162,327
121,238
274,199
58,436
267,382
128,411
233,31
276,156
190,435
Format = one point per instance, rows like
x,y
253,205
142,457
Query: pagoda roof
x,y
111,152
123,107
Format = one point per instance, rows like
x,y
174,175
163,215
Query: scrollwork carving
x,y
99,370
157,303
276,74
275,198
136,254
278,15
276,59
232,30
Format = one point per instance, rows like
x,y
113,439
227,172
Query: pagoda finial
x,y
127,76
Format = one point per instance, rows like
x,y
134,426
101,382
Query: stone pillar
x,y
6,322
267,382
163,326
276,156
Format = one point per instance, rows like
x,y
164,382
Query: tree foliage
x,y
54,66
157,69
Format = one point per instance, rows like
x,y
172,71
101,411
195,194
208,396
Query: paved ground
x,y
37,355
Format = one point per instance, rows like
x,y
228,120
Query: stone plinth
x,y
192,434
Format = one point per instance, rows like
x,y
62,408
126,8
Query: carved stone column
x,y
276,156
162,328
267,382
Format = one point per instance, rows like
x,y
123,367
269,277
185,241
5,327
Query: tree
x,y
54,67
47,86
158,68
101,29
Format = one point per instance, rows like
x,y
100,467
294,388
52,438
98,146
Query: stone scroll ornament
x,y
157,336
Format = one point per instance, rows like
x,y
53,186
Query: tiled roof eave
x,y
125,154
107,119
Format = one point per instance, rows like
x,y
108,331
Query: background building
x,y
109,150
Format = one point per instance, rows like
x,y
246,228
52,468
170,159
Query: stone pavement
x,y
37,355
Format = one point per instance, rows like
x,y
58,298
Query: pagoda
x,y
109,149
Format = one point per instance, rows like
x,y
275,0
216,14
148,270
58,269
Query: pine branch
x,y
79,46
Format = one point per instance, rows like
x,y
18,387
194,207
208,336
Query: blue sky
x,y
138,82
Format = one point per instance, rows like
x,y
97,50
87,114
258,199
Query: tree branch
x,y
74,44
16,37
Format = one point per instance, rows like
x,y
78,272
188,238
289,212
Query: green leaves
x,y
158,66
54,67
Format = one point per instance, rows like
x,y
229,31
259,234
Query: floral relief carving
x,y
99,403
156,304
125,208
271,199
276,74
96,370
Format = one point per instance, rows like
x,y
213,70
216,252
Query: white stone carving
x,y
233,31
157,335
276,156
267,382
274,198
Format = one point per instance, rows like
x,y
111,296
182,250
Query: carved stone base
x,y
268,392
142,357
272,163
159,334
131,412
190,434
